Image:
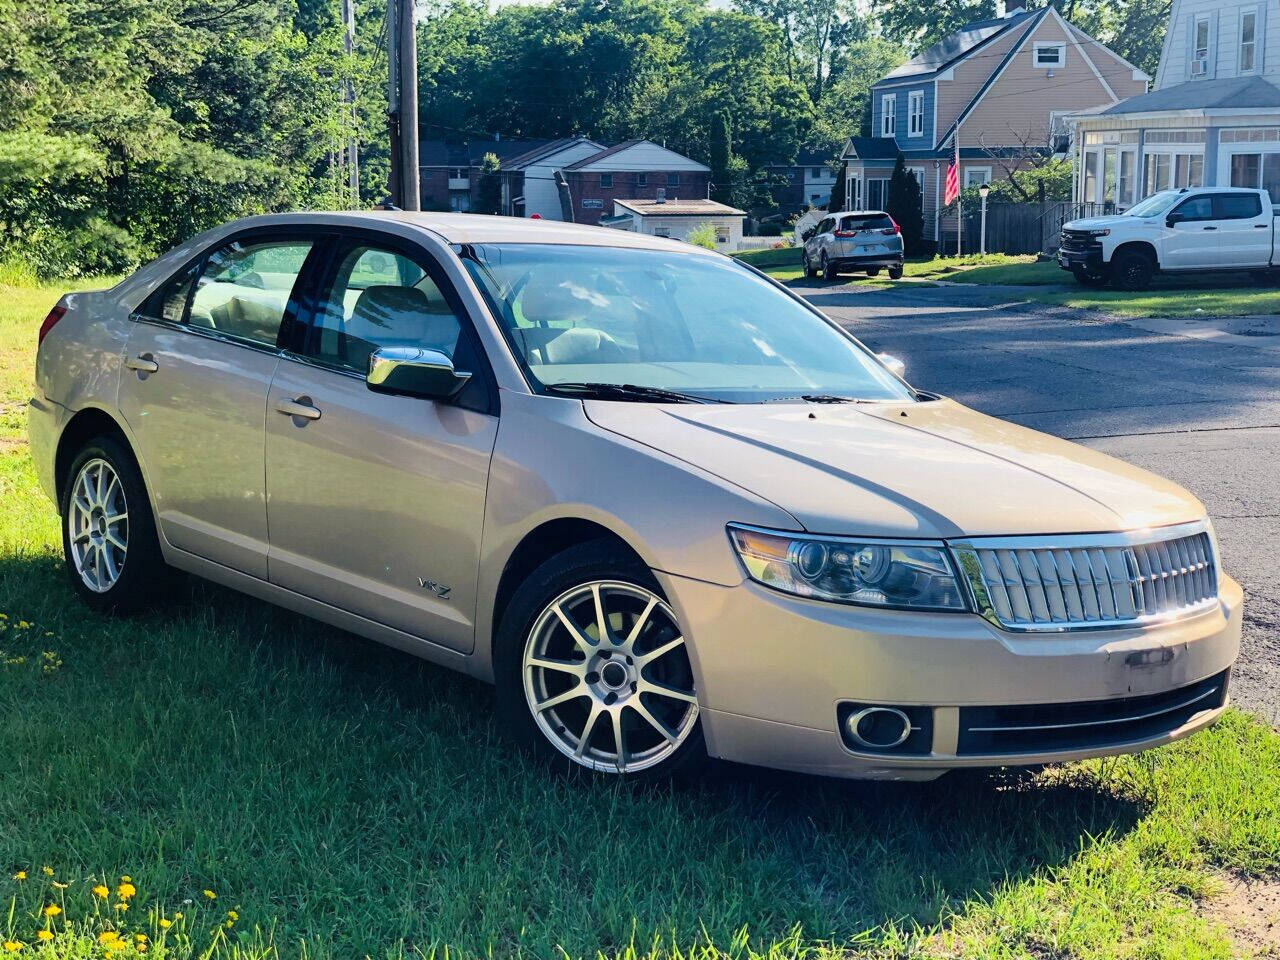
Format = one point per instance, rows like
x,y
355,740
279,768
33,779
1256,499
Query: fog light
x,y
878,728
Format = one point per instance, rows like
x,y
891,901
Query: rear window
x,y
1237,206
875,221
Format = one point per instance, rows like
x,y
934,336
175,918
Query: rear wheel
x,y
592,670
829,271
1087,279
895,272
809,272
109,540
1131,270
873,271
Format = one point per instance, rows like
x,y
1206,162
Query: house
x,y
634,170
804,184
529,182
1212,119
449,172
661,217
1002,90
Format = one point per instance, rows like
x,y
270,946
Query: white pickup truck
x,y
1173,231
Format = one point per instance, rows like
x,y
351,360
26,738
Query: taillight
x,y
891,231
846,234
54,316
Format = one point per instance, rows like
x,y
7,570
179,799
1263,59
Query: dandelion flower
x,y
44,934
47,871
100,891
165,923
20,875
23,625
13,946
232,915
177,916
122,906
108,936
126,879
210,894
126,890
140,937
52,910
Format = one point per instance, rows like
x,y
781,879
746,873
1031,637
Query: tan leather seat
x,y
397,316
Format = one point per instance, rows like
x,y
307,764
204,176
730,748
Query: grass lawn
x,y
273,787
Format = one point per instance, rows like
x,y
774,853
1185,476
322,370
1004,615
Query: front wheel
x,y
1131,270
109,540
829,271
593,673
873,271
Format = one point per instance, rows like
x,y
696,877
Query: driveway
x,y
1196,401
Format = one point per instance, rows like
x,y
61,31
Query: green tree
x,y
905,205
836,203
722,172
489,189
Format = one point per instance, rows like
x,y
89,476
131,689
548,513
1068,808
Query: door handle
x,y
1262,226
142,363
1211,228
301,407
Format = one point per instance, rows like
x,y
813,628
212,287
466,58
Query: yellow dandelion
x,y
20,875
52,910
210,894
165,923
47,871
122,906
141,948
232,915
4,616
13,946
108,936
44,934
177,916
114,945
126,890
23,625
126,879
101,892
140,937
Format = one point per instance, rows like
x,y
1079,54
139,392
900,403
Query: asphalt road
x,y
1197,401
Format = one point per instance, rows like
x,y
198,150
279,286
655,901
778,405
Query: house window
x,y
606,180
853,194
1248,41
673,179
976,176
1174,170
877,193
1050,55
918,173
915,113
1200,48
662,231
815,173
642,179
1257,170
888,115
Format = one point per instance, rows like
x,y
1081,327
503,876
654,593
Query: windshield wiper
x,y
624,391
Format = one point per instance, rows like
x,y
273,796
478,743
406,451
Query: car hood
x,y
930,469
1100,223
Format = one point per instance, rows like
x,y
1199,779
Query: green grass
x,y
1225,295
345,800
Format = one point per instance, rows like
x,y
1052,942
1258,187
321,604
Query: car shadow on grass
x,y
353,795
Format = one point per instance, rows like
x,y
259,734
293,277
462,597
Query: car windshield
x,y
699,325
1155,205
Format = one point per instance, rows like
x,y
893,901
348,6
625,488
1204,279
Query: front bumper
x,y
774,670
1090,259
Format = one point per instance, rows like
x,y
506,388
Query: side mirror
x,y
1173,218
414,372
896,366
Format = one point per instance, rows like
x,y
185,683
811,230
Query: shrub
x,y
703,235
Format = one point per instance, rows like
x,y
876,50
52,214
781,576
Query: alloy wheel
x,y
607,677
98,525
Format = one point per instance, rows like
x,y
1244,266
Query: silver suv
x,y
867,240
670,509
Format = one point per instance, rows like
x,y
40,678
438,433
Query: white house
x,y
1213,118
676,218
529,179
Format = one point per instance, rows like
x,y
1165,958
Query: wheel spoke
x,y
101,487
619,743
113,539
112,569
111,486
580,638
98,566
602,624
596,710
115,518
83,506
661,651
638,706
87,487
571,694
641,622
662,690
81,537
575,667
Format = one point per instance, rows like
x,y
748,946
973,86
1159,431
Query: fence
x,y
1020,227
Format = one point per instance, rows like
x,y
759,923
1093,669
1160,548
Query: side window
x,y
1236,206
1197,208
244,288
378,298
169,302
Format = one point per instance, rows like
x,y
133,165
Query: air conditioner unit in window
x,y
1199,68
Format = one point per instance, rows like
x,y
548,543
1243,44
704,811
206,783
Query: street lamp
x,y
983,190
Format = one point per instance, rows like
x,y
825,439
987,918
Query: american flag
x,y
953,176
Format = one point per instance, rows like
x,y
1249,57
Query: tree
x,y
816,36
906,207
721,159
917,25
850,94
836,203
489,189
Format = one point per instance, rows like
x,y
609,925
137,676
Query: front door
x,y
1191,243
376,502
199,363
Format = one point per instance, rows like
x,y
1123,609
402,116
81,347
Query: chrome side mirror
x,y
896,366
414,372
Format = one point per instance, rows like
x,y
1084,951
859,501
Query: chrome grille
x,y
1073,582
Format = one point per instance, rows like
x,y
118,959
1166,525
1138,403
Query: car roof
x,y
859,213
481,228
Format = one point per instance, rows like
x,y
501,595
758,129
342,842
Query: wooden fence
x,y
1020,227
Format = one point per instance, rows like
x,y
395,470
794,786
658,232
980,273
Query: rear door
x,y
199,361
1244,229
376,502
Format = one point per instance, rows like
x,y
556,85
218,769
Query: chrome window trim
x,y
208,333
964,551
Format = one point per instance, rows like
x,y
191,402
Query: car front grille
x,y
1081,582
1077,239
1050,727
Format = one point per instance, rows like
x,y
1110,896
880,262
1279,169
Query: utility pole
x,y
403,97
349,99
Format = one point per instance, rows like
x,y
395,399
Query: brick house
x,y
634,170
449,173
804,184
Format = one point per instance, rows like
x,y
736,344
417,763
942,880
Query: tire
x,y
1086,279
1131,270
114,565
809,272
829,271
873,271
594,682
895,273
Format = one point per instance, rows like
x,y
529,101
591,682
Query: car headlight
x,y
1100,233
871,572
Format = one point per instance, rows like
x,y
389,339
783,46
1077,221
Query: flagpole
x,y
959,194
